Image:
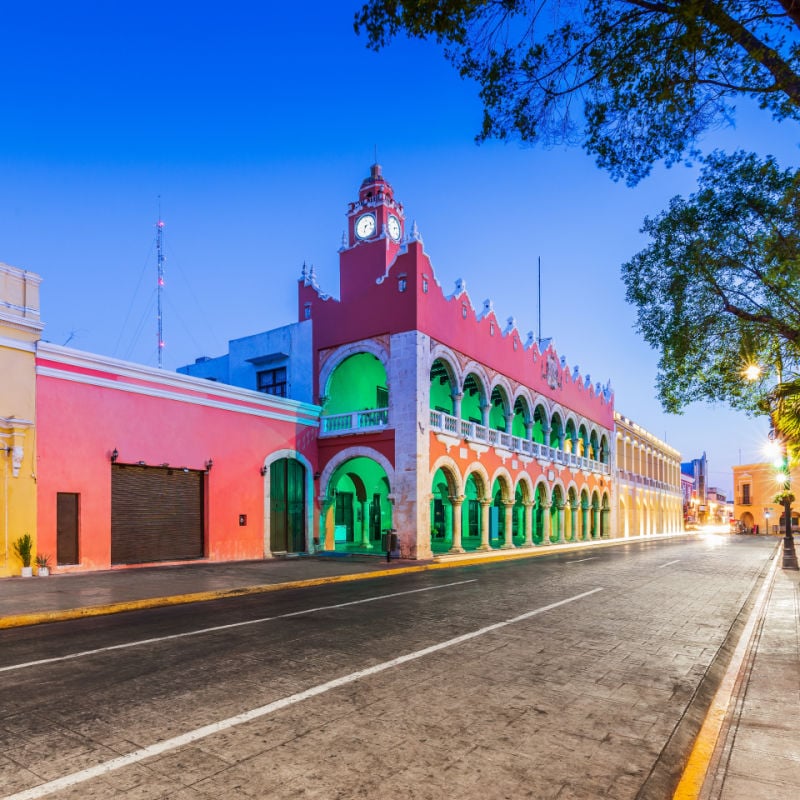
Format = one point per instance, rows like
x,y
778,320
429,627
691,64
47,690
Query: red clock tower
x,y
375,229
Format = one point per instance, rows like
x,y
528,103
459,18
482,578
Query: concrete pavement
x,y
747,748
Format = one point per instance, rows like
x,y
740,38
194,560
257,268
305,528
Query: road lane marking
x,y
215,628
669,563
581,560
175,742
696,769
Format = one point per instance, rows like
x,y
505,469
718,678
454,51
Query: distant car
x,y
691,526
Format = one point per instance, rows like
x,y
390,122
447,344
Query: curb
x,y
448,562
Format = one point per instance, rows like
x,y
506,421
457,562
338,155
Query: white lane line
x,y
247,716
669,563
200,631
581,560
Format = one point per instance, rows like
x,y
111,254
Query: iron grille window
x,y
272,381
745,494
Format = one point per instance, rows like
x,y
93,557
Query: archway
x,y
358,491
441,512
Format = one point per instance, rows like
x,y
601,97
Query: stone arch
x,y
346,455
450,468
344,352
500,407
309,496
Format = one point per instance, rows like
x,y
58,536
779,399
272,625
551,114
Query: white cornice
x,y
17,344
176,386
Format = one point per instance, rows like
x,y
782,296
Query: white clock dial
x,y
393,226
365,226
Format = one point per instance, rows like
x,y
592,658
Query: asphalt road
x,y
568,676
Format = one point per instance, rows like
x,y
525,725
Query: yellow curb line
x,y
40,617
696,769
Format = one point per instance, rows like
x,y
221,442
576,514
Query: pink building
x,y
136,465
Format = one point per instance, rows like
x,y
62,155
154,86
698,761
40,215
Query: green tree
x,y
635,81
718,288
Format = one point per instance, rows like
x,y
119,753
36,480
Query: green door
x,y
287,506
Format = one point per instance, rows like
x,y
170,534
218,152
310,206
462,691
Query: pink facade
x,y
88,407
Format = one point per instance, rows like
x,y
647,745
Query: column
x,y
528,506
587,533
508,544
485,505
365,542
596,516
457,404
509,422
546,523
573,518
485,409
457,502
560,509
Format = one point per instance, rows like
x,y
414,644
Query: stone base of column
x,y
456,550
483,548
507,546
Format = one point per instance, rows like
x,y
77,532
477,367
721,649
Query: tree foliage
x,y
718,287
636,81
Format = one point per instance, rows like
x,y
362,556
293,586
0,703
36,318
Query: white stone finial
x,y
529,341
511,324
415,235
587,381
576,374
488,308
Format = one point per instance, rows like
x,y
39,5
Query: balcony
x,y
354,422
473,432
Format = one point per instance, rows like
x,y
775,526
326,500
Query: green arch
x,y
357,384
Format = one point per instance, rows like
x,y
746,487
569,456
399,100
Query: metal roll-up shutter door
x,y
156,514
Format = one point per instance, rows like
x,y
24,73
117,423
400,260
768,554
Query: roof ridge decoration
x,y
309,278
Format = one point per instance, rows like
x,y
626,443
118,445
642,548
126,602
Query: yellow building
x,y
755,488
20,329
648,472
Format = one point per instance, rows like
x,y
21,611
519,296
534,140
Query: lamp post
x,y
785,498
783,476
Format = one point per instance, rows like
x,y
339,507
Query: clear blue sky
x,y
255,123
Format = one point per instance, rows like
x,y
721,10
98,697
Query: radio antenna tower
x,y
160,261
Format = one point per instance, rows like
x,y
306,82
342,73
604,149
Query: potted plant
x,y
23,547
43,564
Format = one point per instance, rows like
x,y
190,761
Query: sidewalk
x,y
758,754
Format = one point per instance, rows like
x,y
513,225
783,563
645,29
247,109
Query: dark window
x,y
382,397
745,494
272,381
67,510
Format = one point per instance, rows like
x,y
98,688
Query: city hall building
x,y
398,406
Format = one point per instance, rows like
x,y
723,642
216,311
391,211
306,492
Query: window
x,y
381,397
272,381
746,494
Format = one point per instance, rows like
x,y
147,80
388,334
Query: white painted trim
x,y
127,369
105,383
17,344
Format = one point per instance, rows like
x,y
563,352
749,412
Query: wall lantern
x,y
263,471
209,464
114,455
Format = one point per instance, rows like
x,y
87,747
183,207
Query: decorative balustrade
x,y
354,422
473,432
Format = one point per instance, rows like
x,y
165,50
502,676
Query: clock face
x,y
393,226
365,226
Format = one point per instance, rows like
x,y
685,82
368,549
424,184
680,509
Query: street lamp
x,y
783,476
